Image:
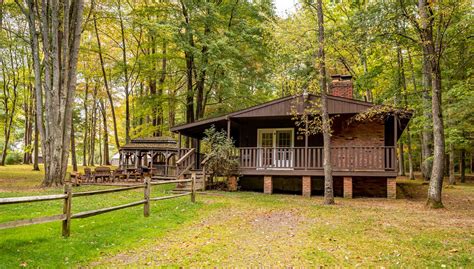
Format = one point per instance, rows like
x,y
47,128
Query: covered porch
x,y
273,146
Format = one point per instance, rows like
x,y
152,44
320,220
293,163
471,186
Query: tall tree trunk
x,y
201,82
472,163
36,146
86,125
188,54
60,25
404,92
462,166
401,159
93,128
436,180
326,122
99,140
10,87
411,174
427,134
161,83
363,61
106,84
28,135
125,74
171,107
452,177
8,122
432,52
73,149
1,14
106,159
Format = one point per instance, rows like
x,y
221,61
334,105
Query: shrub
x,y
14,158
221,157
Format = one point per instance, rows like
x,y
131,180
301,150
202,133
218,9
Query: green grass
x,y
244,229
42,245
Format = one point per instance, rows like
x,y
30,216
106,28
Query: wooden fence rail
x,y
67,214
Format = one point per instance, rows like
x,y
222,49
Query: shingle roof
x,y
151,143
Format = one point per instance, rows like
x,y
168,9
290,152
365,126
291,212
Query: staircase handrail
x,y
191,151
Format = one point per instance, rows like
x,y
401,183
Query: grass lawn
x,y
242,229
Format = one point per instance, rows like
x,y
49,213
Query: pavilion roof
x,y
157,143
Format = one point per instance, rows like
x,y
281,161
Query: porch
x,y
353,160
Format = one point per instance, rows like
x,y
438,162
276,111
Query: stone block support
x,y
267,185
347,187
391,188
306,186
232,183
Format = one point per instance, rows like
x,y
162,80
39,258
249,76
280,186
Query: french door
x,y
275,148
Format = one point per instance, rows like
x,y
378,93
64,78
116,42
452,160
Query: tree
x,y
59,27
326,122
435,18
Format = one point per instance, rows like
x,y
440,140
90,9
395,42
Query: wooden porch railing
x,y
343,158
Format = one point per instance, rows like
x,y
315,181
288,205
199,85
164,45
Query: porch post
x,y
395,139
179,142
197,165
136,159
306,146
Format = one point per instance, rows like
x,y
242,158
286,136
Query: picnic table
x,y
119,174
133,173
102,172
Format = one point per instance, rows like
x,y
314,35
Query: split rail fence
x,y
68,195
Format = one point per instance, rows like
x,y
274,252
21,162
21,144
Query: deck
x,y
346,161
295,161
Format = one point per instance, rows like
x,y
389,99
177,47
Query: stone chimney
x,y
341,85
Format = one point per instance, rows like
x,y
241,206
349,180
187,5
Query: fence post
x,y
193,187
66,231
146,205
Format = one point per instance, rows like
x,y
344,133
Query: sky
x,y
285,6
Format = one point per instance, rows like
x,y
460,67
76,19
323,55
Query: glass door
x,y
265,150
275,148
283,149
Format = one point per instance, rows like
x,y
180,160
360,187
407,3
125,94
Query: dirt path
x,y
236,235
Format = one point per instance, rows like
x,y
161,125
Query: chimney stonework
x,y
341,85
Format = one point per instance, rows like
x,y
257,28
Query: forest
x,y
79,79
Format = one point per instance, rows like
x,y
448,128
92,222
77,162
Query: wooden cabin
x,y
275,157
